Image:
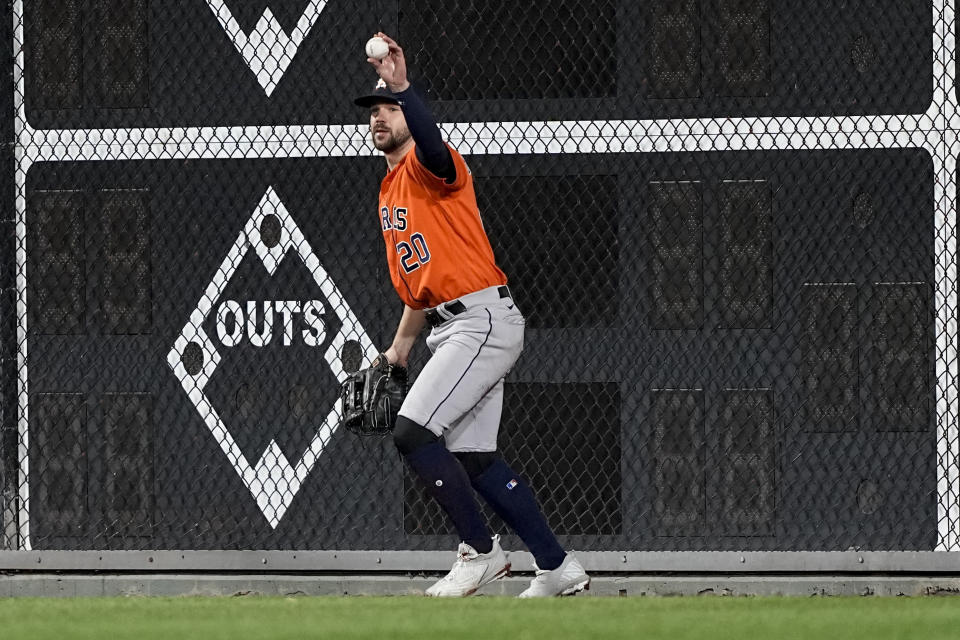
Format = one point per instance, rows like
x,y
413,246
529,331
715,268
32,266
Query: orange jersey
x,y
437,249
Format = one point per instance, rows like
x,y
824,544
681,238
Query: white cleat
x,y
471,571
566,580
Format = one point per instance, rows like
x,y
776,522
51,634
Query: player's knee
x,y
408,436
476,462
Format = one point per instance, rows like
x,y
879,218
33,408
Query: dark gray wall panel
x,y
768,459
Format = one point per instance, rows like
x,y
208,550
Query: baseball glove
x,y
372,398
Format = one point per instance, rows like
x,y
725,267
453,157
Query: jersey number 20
x,y
412,257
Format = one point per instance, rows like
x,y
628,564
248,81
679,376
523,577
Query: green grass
x,y
493,618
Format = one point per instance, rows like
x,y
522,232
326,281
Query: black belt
x,y
456,307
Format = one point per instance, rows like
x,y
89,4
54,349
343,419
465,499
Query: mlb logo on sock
x,y
511,484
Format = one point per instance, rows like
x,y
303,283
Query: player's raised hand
x,y
393,68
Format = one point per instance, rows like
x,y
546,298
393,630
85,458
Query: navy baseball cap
x,y
381,93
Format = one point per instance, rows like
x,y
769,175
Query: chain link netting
x,y
730,225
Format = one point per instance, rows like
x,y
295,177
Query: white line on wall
x,y
268,50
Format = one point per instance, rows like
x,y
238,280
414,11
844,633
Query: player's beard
x,y
393,141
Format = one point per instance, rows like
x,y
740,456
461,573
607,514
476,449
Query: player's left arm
x,y
431,150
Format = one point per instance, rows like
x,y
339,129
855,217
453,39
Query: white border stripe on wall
x,y
945,275
928,131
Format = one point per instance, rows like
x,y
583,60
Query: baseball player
x,y
442,267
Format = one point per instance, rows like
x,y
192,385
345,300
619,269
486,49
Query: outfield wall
x,y
730,224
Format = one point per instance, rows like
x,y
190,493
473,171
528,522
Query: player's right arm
x,y
411,324
431,150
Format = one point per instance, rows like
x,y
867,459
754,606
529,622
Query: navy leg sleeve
x,y
448,483
513,500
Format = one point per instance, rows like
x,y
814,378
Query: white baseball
x,y
377,48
